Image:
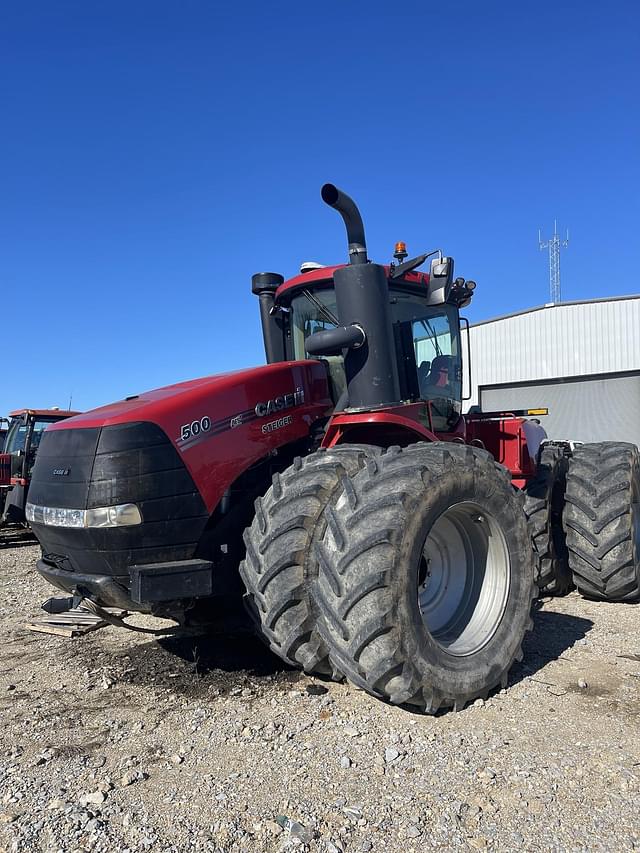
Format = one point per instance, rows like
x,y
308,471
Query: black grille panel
x,y
134,488
72,451
127,463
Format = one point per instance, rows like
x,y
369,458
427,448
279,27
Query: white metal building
x,y
581,360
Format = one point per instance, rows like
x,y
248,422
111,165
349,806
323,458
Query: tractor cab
x,y
426,339
424,336
24,432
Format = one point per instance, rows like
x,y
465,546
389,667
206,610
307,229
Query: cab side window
x,y
436,365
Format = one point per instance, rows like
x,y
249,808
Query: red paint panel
x,y
504,438
5,469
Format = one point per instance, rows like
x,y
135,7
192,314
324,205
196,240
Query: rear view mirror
x,y
440,280
442,268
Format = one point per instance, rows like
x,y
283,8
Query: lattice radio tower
x,y
554,244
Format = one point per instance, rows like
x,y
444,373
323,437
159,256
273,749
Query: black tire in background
x,y
435,529
280,563
602,520
543,506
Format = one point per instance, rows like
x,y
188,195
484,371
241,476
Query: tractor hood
x,y
215,428
234,391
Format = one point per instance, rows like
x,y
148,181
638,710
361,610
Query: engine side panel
x,y
251,421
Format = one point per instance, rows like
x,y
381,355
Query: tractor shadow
x,y
227,653
553,634
218,661
199,664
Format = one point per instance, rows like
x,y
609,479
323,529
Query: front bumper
x,y
146,587
107,590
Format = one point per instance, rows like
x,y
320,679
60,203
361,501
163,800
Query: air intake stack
x,y
264,285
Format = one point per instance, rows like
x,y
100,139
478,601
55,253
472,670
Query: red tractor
x,y
17,457
374,531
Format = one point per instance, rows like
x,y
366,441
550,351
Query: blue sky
x,y
154,155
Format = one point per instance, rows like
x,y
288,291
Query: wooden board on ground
x,y
71,623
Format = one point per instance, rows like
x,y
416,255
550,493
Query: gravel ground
x,y
119,742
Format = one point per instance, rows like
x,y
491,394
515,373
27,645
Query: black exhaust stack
x,y
362,297
264,285
346,207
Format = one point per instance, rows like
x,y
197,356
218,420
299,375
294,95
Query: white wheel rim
x,y
464,579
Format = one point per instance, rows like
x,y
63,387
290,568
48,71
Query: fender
x,y
403,425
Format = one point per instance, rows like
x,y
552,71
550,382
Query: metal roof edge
x,y
551,305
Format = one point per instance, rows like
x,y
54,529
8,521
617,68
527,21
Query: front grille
x,y
72,451
126,463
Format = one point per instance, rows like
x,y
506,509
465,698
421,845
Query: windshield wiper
x,y
429,330
322,308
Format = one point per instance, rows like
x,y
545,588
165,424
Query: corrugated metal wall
x,y
579,409
569,339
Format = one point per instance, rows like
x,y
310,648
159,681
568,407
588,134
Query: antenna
x,y
554,244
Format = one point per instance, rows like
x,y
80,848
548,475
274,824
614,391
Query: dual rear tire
x,y
602,520
544,506
584,518
411,573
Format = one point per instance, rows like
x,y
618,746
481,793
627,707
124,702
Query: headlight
x,y
122,515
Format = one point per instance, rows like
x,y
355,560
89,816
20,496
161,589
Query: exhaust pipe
x,y
348,209
365,334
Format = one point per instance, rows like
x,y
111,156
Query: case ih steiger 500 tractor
x,y
375,532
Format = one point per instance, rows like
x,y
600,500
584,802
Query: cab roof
x,y
323,277
44,413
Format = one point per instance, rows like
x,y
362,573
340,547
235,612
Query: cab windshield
x,y
314,311
18,431
427,342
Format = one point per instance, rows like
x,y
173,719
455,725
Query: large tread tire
x,y
543,506
280,564
602,520
370,564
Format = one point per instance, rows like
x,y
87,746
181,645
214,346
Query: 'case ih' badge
x,y
61,472
286,401
202,428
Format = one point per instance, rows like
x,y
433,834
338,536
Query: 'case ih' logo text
x,y
287,401
61,472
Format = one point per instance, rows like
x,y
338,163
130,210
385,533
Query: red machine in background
x,y
17,457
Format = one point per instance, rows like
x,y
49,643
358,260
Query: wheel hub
x,y
463,592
